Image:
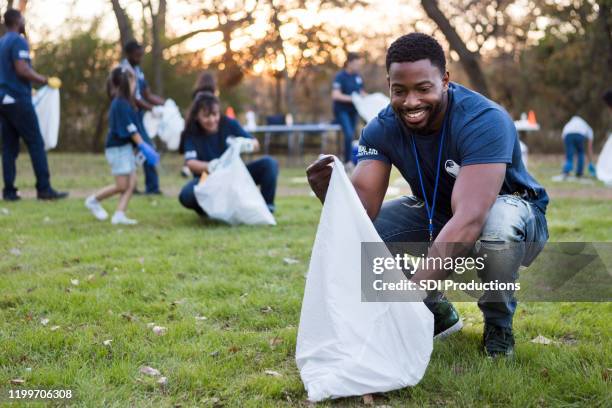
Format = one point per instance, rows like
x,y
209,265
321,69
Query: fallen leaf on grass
x,y
15,251
90,277
214,353
5,211
272,373
290,261
159,330
153,372
606,374
74,282
233,349
568,339
544,372
178,302
44,321
128,317
107,343
17,381
163,381
275,341
54,328
368,399
201,318
542,340
266,309
46,220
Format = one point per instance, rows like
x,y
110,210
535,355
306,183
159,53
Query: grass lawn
x,y
230,303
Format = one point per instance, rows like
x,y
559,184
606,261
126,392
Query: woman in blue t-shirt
x,y
205,139
124,134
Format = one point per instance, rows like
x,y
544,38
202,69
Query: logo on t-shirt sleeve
x,y
366,151
191,154
24,54
452,168
132,128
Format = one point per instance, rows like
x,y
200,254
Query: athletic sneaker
x,y
498,341
120,218
96,208
446,318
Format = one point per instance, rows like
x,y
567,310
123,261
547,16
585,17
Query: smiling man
x,y
460,154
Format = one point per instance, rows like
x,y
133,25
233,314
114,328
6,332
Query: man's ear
x,y
389,83
445,81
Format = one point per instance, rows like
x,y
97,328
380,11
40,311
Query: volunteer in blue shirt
x,y
205,139
345,83
460,154
145,101
17,115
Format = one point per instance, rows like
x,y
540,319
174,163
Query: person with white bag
x,y
17,115
461,156
204,141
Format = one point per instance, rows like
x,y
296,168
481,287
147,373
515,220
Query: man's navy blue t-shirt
x,y
347,84
206,147
14,47
478,131
123,123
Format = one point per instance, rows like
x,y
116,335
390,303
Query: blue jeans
x,y
150,172
19,120
511,219
574,142
348,122
264,172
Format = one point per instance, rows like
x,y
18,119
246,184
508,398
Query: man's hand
x,y
319,174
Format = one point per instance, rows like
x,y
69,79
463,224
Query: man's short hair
x,y
131,46
607,97
12,17
415,47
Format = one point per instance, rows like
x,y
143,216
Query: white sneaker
x,y
96,208
120,218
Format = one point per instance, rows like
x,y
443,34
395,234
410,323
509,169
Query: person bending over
x,y
460,153
204,141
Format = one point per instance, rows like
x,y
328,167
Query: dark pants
x,y
264,172
574,142
19,120
347,119
510,220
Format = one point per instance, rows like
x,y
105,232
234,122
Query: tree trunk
x,y
123,22
468,59
159,36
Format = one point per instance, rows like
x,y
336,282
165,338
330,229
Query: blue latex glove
x,y
151,156
592,171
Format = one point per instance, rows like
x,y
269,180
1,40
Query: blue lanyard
x,y
430,210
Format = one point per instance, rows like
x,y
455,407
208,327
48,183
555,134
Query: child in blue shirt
x,y
123,135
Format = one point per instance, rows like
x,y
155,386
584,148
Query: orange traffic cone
x,y
531,118
229,112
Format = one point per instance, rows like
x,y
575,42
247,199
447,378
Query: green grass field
x,y
231,304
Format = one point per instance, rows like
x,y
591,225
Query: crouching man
x,y
460,154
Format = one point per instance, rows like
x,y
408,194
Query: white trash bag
x,y
47,106
370,105
346,347
168,126
604,163
229,194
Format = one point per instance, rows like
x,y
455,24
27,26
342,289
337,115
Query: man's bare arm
x,y
474,193
371,180
25,71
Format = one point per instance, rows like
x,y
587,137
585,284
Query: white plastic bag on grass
x,y
47,106
229,194
346,347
